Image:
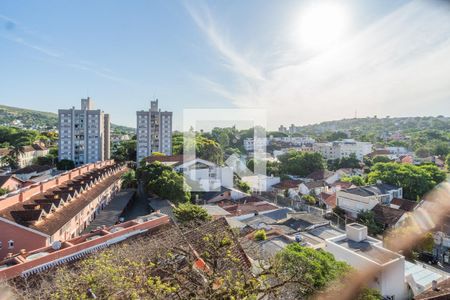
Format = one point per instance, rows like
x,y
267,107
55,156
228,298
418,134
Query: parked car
x,y
428,258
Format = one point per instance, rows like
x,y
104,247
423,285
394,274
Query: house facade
x,y
356,199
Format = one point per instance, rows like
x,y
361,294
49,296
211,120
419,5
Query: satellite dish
x,y
56,245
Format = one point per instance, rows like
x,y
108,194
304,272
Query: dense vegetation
x,y
205,148
124,151
416,181
300,163
163,181
424,135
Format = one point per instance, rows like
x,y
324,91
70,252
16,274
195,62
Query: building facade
x,y
153,131
57,209
84,134
341,149
357,199
367,254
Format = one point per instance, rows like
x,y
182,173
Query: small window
x,y
1,246
10,244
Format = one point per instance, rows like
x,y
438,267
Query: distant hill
x,y
39,120
379,125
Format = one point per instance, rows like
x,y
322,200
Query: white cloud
x,y
399,65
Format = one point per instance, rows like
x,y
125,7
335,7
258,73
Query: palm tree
x,y
12,159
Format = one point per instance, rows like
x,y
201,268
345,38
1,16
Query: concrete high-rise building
x,y
84,134
153,131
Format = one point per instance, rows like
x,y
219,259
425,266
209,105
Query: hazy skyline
x,y
301,60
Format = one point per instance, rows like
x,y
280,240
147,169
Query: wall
x,y
393,280
354,203
23,238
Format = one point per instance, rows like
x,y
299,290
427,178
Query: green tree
x,y
447,161
369,294
242,185
129,179
65,164
356,180
309,199
164,181
441,149
209,150
3,191
426,243
188,212
416,181
380,158
336,136
300,163
124,151
423,152
311,270
366,217
260,235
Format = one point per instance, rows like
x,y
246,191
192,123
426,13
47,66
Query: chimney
x,y
434,285
356,232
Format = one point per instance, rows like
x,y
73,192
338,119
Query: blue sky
x,y
393,58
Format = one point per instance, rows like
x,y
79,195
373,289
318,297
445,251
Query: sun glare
x,y
322,25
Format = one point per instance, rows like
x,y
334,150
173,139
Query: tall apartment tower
x,y
153,131
84,134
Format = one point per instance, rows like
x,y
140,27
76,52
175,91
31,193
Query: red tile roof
x,y
248,208
320,175
405,204
288,184
329,199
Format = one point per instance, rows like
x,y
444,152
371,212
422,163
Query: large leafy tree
x,y
300,163
416,181
164,181
188,212
124,151
345,162
205,148
309,270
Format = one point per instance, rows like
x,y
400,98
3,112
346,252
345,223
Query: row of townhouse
x,y
57,209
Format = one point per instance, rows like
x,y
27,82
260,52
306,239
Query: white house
x,y
206,175
261,183
257,144
355,199
384,268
